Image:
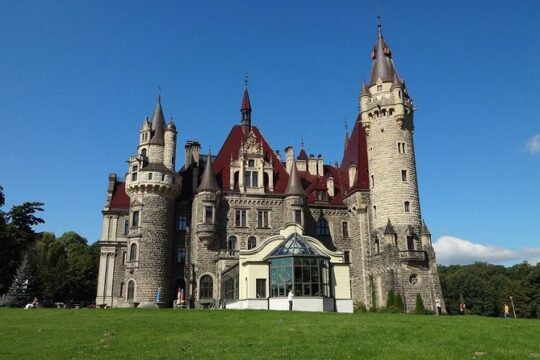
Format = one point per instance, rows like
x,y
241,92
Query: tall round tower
x,y
152,185
387,116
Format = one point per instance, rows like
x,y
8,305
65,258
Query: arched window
x,y
377,246
231,243
252,242
206,287
143,153
131,290
407,206
133,252
322,227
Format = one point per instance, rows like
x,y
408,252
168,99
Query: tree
x,y
20,290
16,237
390,300
419,309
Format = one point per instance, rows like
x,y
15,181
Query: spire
x,y
245,109
158,124
346,134
294,186
383,66
389,230
365,90
425,230
208,182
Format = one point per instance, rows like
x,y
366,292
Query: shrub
x,y
400,306
359,307
419,309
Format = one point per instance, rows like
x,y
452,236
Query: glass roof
x,y
294,245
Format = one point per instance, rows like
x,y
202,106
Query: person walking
x,y
438,305
290,297
506,311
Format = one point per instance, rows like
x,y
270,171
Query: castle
x,y
244,227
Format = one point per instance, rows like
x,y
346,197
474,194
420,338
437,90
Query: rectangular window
x,y
241,218
121,289
401,147
135,219
374,211
262,219
251,178
181,255
372,181
150,176
346,256
124,257
134,170
182,223
126,227
298,216
208,214
403,175
261,288
407,206
410,243
345,228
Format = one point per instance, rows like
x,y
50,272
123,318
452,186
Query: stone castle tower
x,y
152,185
244,227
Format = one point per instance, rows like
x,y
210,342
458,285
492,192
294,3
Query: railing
x,y
412,255
228,254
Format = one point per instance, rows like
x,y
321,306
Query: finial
x,y
159,94
246,79
346,126
302,141
379,23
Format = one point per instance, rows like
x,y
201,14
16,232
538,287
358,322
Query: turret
x,y
390,236
425,236
169,155
245,110
294,197
207,204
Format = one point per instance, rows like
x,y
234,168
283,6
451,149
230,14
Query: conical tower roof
x,y
208,182
294,186
382,66
389,230
158,125
365,90
425,229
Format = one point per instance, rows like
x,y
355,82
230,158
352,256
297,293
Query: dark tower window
x,y
131,290
410,243
133,252
181,255
345,229
134,170
377,246
126,227
403,175
231,243
182,223
135,219
347,256
150,176
407,206
252,242
322,227
206,287
208,214
143,153
298,217
374,211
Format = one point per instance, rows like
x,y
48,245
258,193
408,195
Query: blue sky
x,y
77,79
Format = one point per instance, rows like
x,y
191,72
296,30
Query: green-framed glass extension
x,y
296,265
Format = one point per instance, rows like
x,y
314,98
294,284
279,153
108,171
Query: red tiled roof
x,y
302,155
230,149
356,152
120,200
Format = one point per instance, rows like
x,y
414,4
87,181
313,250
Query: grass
x,y
212,334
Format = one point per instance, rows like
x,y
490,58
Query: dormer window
x,y
251,178
251,163
379,87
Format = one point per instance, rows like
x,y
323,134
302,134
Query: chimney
x,y
330,186
352,174
312,165
320,165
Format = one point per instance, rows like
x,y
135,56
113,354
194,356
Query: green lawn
x,y
222,334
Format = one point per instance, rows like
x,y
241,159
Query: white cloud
x,y
452,250
533,144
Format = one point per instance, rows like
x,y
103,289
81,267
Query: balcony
x,y
412,255
228,254
207,233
